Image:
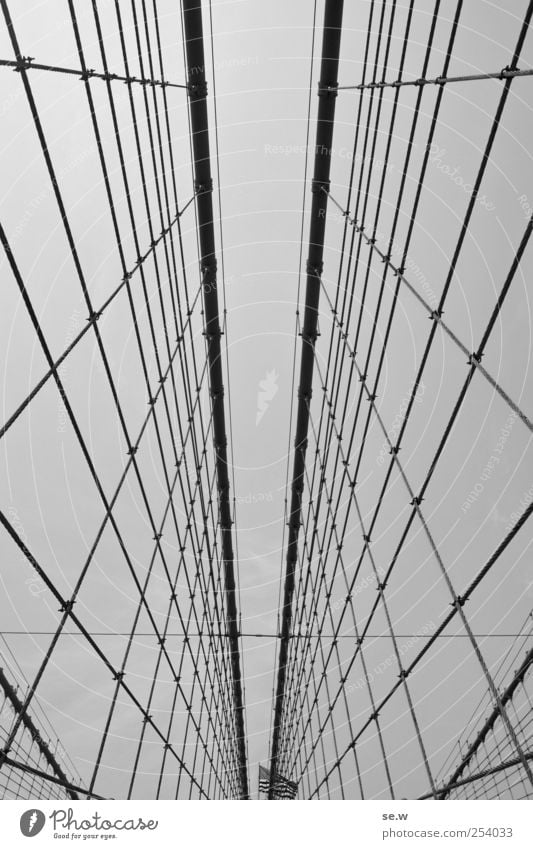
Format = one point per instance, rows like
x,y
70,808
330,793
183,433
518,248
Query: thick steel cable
x,y
294,356
142,172
152,400
324,134
360,192
458,599
193,32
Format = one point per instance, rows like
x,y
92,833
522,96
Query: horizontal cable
x,y
302,636
67,610
27,63
504,74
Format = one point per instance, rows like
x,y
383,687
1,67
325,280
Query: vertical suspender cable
x,y
203,186
327,92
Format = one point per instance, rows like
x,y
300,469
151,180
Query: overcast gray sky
x,y
262,65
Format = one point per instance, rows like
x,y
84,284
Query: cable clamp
x,y
507,72
209,266
202,187
330,90
197,90
314,269
318,186
23,63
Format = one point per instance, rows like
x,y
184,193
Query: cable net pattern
x,y
404,670
110,504
48,768
413,539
